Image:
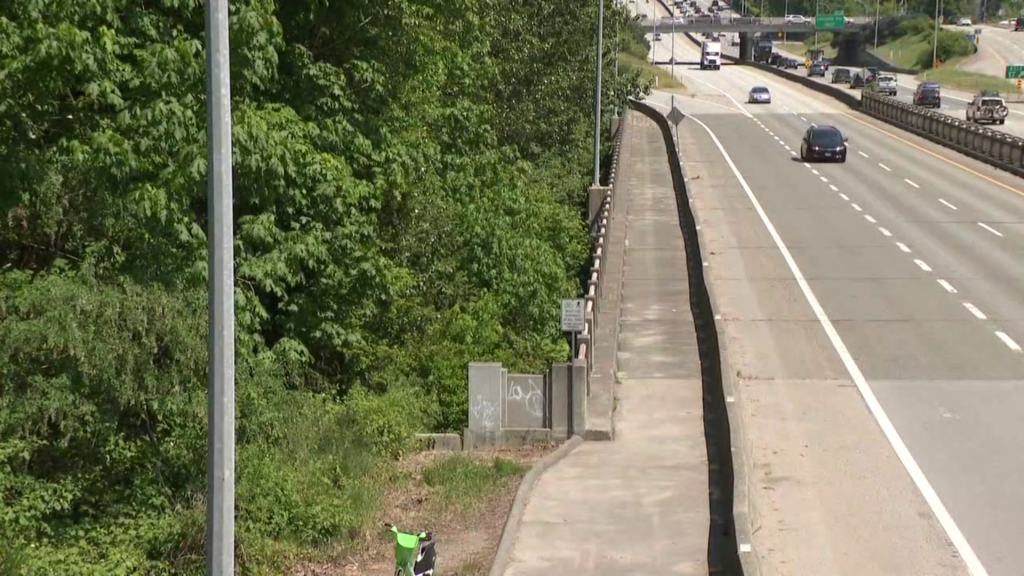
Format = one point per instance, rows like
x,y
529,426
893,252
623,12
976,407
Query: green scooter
x,y
414,553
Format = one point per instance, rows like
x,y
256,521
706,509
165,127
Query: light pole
x,y
220,379
785,33
877,2
935,39
597,93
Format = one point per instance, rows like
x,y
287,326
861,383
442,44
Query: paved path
x,y
637,505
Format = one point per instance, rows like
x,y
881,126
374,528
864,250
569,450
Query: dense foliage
x,y
408,180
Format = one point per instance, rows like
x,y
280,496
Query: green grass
x,y
949,76
904,52
649,71
461,480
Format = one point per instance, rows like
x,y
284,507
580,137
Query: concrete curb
x,y
515,514
744,513
723,556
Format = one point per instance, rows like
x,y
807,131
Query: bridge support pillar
x,y
746,46
849,50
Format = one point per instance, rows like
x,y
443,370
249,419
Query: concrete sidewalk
x,y
637,505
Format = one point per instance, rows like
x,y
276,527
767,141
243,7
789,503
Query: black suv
x,y
823,143
774,60
928,94
841,76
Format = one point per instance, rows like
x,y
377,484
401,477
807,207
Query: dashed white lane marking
x,y
807,165
802,118
870,219
911,183
1008,341
857,208
974,310
886,167
786,145
833,187
813,124
956,537
990,229
863,154
884,231
776,137
793,152
844,196
823,179
922,265
948,205
949,287
815,172
903,246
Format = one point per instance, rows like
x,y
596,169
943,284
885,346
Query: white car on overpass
x,y
797,19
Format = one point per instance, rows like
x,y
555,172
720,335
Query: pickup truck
x,y
887,85
987,107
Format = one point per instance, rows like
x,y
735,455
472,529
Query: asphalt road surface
x,y
876,336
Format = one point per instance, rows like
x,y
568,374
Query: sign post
x,y
573,321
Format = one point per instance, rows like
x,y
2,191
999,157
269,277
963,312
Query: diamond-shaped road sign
x,y
675,116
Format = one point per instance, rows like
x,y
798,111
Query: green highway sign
x,y
1015,70
836,20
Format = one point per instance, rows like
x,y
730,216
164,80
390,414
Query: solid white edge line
x,y
884,166
884,231
956,537
903,247
921,264
974,310
949,287
950,206
905,180
990,229
1008,341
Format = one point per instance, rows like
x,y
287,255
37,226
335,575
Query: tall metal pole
x,y
220,464
785,33
672,64
597,94
935,40
816,11
877,2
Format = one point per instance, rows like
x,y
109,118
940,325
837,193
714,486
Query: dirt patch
x,y
466,532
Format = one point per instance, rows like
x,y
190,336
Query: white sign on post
x,y
572,314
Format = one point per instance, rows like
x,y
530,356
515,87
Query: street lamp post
x,y
935,39
785,33
597,94
877,2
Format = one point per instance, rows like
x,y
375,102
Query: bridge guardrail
x,y
993,147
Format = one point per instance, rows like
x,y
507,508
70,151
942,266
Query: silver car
x,y
760,95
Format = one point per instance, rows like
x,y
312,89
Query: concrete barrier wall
x,y
990,146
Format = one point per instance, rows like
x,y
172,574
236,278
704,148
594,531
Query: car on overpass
x,y
823,143
928,94
759,95
797,19
841,76
816,69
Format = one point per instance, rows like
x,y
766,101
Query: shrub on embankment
x,y
409,179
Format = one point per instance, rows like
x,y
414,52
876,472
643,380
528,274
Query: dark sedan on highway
x,y
791,64
816,69
823,143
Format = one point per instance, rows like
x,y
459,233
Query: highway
x,y
874,319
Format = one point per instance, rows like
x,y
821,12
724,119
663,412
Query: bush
x,y
387,423
950,45
916,26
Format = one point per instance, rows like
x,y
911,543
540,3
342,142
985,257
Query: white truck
x,y
710,55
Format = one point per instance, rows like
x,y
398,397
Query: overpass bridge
x,y
727,23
